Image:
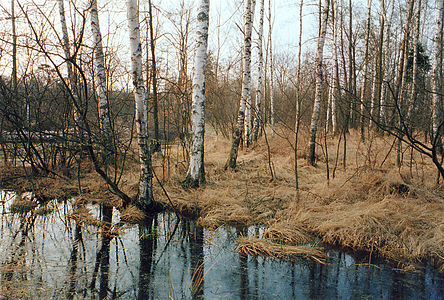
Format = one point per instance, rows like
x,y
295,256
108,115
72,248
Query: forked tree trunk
x,y
260,81
196,171
246,85
319,82
436,78
247,68
145,199
100,85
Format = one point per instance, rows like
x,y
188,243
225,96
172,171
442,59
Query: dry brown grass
x,y
370,205
255,246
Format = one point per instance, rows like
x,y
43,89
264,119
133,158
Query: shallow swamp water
x,y
46,254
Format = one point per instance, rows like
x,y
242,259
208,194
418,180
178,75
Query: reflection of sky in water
x,y
168,270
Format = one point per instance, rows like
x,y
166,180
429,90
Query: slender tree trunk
x,y
365,71
335,76
246,85
14,49
154,73
384,72
196,171
145,200
402,78
247,122
298,96
67,52
319,82
100,85
413,88
436,78
271,65
376,96
260,81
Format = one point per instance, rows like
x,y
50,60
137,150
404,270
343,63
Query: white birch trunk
x,y
436,78
146,178
67,51
100,84
385,62
319,82
260,81
365,72
271,85
247,71
246,84
196,171
335,76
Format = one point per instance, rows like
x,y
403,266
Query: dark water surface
x,y
52,257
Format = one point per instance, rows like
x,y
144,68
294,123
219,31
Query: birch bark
x,y
196,171
145,199
100,78
260,81
246,84
436,78
319,82
247,72
271,85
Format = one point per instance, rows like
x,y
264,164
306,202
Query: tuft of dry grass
x,y
132,215
255,247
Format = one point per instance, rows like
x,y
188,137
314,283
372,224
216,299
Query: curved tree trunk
x,y
319,82
145,199
196,170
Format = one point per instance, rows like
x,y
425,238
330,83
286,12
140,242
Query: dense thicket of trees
x,y
66,87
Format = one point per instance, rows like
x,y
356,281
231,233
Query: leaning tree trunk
x,y
246,85
319,83
365,72
260,81
247,121
436,78
100,77
196,171
145,199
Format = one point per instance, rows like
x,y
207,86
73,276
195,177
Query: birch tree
x,y
436,78
69,66
196,171
271,85
324,11
246,85
365,71
100,84
298,97
145,198
260,81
